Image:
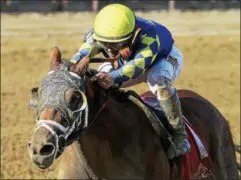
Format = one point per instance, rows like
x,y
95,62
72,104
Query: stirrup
x,y
174,151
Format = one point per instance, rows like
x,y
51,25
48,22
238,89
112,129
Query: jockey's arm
x,y
83,51
85,48
144,58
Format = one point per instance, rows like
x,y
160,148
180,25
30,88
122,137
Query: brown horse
x,y
101,135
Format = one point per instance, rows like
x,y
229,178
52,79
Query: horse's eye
x,y
78,95
75,101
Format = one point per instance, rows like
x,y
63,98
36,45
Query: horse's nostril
x,y
46,150
29,144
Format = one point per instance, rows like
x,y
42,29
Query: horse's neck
x,y
120,135
95,98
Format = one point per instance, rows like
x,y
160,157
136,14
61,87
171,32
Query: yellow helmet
x,y
114,23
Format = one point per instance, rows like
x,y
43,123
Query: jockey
x,y
139,49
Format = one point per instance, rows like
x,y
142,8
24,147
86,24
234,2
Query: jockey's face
x,y
112,49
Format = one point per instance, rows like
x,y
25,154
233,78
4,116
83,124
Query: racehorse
x,y
98,133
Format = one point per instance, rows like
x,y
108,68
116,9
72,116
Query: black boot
x,y
172,110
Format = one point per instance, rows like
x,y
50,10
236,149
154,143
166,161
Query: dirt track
x,y
210,42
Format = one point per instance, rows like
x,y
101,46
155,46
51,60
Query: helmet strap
x,y
137,31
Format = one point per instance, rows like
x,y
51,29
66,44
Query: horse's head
x,y
62,109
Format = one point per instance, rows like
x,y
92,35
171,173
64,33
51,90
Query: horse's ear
x,y
34,98
83,64
55,59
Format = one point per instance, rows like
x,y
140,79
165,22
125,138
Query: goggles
x,y
123,48
113,46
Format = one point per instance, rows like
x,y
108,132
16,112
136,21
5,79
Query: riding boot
x,y
172,109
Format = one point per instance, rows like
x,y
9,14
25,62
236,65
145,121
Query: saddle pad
x,y
196,164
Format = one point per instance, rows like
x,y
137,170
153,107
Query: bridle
x,y
79,124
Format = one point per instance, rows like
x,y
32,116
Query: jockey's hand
x,y
105,80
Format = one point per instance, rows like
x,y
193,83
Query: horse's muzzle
x,y
41,151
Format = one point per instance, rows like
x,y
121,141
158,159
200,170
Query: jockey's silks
x,y
152,44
